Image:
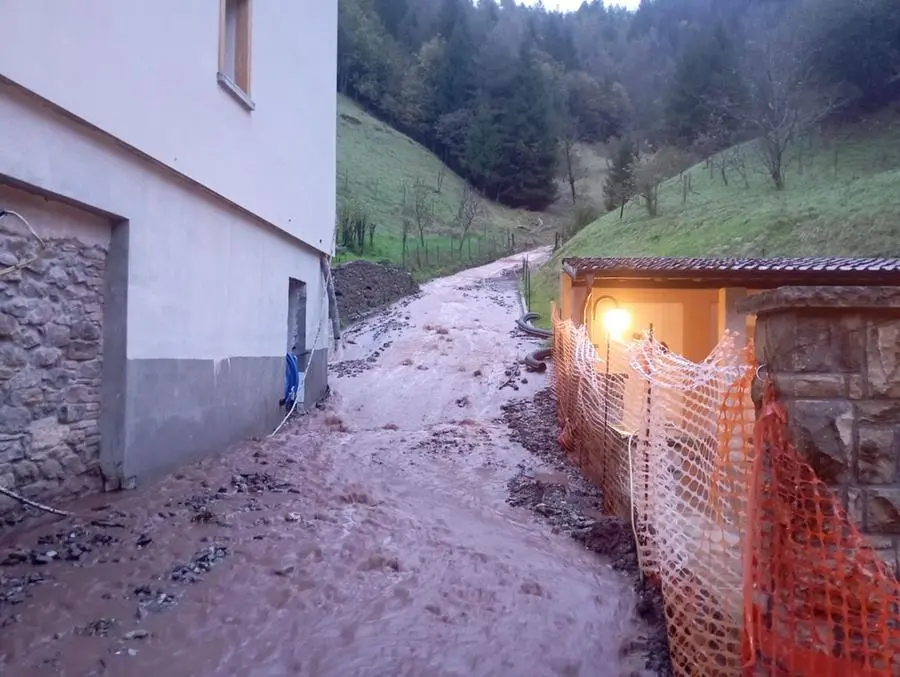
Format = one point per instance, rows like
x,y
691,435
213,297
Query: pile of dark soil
x,y
573,506
363,286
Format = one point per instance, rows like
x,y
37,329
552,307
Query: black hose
x,y
524,323
536,361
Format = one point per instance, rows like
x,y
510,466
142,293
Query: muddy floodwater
x,y
371,537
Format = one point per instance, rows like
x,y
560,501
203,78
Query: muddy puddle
x,y
374,537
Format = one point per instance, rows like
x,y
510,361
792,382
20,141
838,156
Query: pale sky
x,y
572,5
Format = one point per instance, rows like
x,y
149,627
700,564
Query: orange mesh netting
x,y
761,571
820,602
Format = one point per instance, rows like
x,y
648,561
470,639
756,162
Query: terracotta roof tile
x,y
741,271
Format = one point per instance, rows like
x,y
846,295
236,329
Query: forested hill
x,y
506,95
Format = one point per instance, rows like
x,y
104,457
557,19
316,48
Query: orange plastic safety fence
x,y
761,570
820,602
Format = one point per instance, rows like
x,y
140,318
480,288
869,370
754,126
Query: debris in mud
x,y
136,634
258,483
573,506
200,564
499,291
512,375
14,590
351,368
152,599
97,628
451,440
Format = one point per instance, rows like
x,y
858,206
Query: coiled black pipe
x,y
524,323
536,361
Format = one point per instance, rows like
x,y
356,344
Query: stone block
x,y
813,386
83,350
856,507
823,434
41,312
57,378
92,370
57,335
86,331
13,355
878,412
829,343
883,511
856,386
25,472
71,413
8,325
45,434
775,341
28,338
883,357
51,469
877,454
45,357
11,449
72,464
14,419
28,397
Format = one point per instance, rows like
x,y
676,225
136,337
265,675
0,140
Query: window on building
x,y
234,46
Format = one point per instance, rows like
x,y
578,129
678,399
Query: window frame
x,y
237,85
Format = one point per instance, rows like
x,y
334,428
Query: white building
x,y
178,160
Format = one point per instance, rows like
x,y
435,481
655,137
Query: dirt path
x,y
373,538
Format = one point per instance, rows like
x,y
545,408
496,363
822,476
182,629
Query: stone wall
x,y
51,315
835,355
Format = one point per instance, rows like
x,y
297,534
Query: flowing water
x,y
372,538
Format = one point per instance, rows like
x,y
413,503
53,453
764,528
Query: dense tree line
x,y
503,93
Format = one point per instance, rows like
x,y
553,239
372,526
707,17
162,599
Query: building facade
x,y
174,167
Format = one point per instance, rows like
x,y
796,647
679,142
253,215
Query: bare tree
x,y
654,168
406,219
422,212
785,105
570,164
468,212
442,172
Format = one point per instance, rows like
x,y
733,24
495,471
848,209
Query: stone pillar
x,y
835,355
729,315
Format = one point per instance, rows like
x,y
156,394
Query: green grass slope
x,y
376,162
842,198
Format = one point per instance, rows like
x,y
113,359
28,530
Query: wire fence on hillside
x,y
761,570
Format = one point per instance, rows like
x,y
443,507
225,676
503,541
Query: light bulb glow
x,y
616,322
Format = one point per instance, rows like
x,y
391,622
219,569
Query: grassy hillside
x,y
842,198
376,163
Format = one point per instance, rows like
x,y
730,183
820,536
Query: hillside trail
x,y
369,539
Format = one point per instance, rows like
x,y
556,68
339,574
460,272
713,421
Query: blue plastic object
x,y
291,380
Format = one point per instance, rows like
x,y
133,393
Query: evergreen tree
x,y
706,91
455,80
512,146
620,182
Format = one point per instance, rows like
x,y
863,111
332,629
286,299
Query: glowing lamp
x,y
616,322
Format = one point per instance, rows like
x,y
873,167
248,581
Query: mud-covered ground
x,y
373,537
573,506
362,287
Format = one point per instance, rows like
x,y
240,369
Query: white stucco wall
x,y
51,219
145,72
205,280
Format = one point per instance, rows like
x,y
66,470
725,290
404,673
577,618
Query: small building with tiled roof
x,y
690,302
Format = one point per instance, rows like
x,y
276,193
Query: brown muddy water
x,y
371,538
